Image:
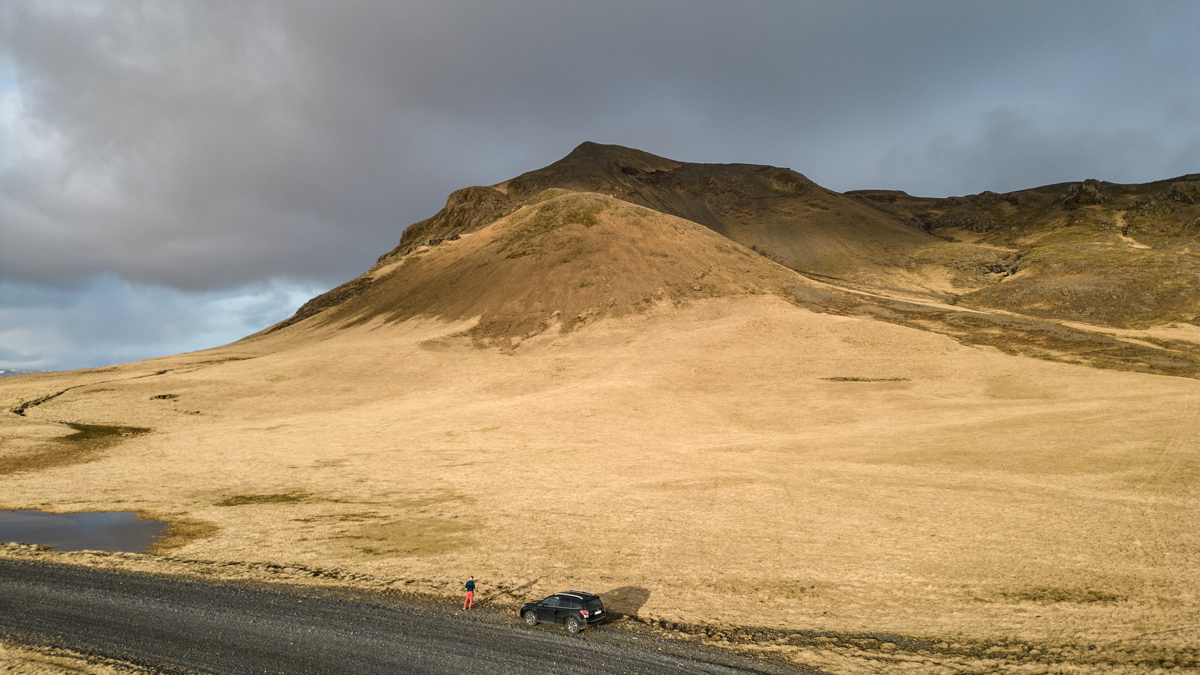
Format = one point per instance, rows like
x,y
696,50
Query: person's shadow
x,y
503,590
624,602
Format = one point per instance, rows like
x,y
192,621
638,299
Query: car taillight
x,y
584,612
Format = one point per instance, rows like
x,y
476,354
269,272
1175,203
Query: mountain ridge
x,y
1090,251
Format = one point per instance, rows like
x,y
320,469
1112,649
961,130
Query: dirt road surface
x,y
182,626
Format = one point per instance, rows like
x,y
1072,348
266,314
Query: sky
x,y
175,176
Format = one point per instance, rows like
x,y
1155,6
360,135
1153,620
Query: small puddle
x,y
95,531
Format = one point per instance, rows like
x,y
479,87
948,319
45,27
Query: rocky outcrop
x,y
1087,193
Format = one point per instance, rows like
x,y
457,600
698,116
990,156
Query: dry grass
x,y
87,444
181,531
741,461
410,537
22,660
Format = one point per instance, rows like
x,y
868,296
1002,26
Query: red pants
x,y
470,600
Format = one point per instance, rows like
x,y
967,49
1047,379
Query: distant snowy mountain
x,y
5,372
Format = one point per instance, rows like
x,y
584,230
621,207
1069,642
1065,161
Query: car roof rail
x,y
579,591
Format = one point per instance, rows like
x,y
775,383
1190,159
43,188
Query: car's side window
x,y
551,601
571,603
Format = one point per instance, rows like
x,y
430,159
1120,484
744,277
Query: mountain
x,y
774,211
525,255
1111,255
9,372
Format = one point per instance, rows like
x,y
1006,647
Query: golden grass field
x,y
734,461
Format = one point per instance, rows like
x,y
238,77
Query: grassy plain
x,y
877,498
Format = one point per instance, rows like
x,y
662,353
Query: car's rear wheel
x,y
531,618
573,625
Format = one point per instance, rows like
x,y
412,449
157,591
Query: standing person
x,y
470,599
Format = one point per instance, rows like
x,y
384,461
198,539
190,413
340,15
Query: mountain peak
x,y
606,155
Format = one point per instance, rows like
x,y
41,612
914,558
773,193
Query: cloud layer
x,y
112,321
220,147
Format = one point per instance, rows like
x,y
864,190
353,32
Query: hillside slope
x,y
561,260
726,458
1115,255
1111,255
774,212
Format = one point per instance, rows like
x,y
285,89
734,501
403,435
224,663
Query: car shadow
x,y
624,602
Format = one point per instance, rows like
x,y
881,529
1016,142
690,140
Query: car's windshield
x,y
594,605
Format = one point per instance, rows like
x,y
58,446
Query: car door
x,y
547,610
568,606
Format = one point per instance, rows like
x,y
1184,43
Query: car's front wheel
x,y
573,625
531,618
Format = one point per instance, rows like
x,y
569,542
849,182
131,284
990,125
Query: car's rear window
x,y
594,604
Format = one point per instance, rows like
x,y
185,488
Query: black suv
x,y
574,609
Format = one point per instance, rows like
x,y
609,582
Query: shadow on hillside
x,y
510,591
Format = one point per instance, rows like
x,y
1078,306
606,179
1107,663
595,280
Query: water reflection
x,y
104,531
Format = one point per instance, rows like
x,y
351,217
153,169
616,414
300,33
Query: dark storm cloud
x,y
210,145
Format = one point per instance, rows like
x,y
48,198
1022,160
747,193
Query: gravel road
x,y
186,626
